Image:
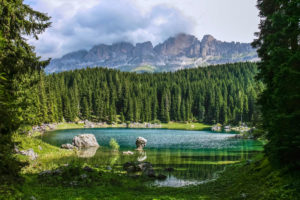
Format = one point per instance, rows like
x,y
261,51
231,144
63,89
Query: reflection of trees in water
x,y
188,164
195,164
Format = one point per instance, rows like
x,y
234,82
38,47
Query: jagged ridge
x,y
181,51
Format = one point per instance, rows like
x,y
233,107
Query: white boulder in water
x,y
85,140
140,143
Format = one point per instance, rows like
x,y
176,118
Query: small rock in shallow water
x,y
161,177
140,143
149,172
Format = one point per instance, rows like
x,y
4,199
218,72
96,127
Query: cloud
x,y
80,24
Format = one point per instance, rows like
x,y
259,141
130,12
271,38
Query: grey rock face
x,y
30,153
85,140
140,143
68,146
180,51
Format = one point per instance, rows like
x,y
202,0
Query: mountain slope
x,y
181,51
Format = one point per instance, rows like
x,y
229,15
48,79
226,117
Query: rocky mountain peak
x,y
179,45
181,51
207,39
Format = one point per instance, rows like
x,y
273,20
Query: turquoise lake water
x,y
196,156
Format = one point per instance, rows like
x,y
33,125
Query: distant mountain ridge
x,y
179,52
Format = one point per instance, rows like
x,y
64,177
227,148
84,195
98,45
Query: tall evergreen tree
x,y
278,48
17,63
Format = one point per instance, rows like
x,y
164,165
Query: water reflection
x,y
142,156
195,156
87,152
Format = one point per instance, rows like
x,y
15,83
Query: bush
x,y
114,144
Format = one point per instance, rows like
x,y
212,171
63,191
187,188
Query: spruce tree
x,y
278,48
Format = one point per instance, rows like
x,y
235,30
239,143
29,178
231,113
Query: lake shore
x,y
244,180
87,124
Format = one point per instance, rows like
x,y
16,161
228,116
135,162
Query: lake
x,y
196,156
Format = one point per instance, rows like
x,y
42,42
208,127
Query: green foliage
x,y
278,48
18,65
114,144
224,94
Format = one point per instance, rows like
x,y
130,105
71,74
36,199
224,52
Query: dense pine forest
x,y
224,94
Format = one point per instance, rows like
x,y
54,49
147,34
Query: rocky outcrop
x,y
30,153
143,125
85,141
68,146
140,143
180,51
88,124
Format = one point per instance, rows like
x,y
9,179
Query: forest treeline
x,y
225,94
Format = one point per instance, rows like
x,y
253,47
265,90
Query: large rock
x,y
30,153
140,143
85,140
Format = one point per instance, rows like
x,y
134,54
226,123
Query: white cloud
x,y
78,24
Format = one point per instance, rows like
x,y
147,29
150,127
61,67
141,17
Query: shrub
x,y
114,144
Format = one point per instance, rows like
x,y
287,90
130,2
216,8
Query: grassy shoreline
x,y
170,125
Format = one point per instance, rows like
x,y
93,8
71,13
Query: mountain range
x,y
178,52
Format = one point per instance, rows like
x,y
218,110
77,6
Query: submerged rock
x,y
161,176
144,167
149,172
140,143
85,140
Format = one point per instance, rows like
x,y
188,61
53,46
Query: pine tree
x,y
278,48
17,63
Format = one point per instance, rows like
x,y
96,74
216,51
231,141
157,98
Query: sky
x,y
81,24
